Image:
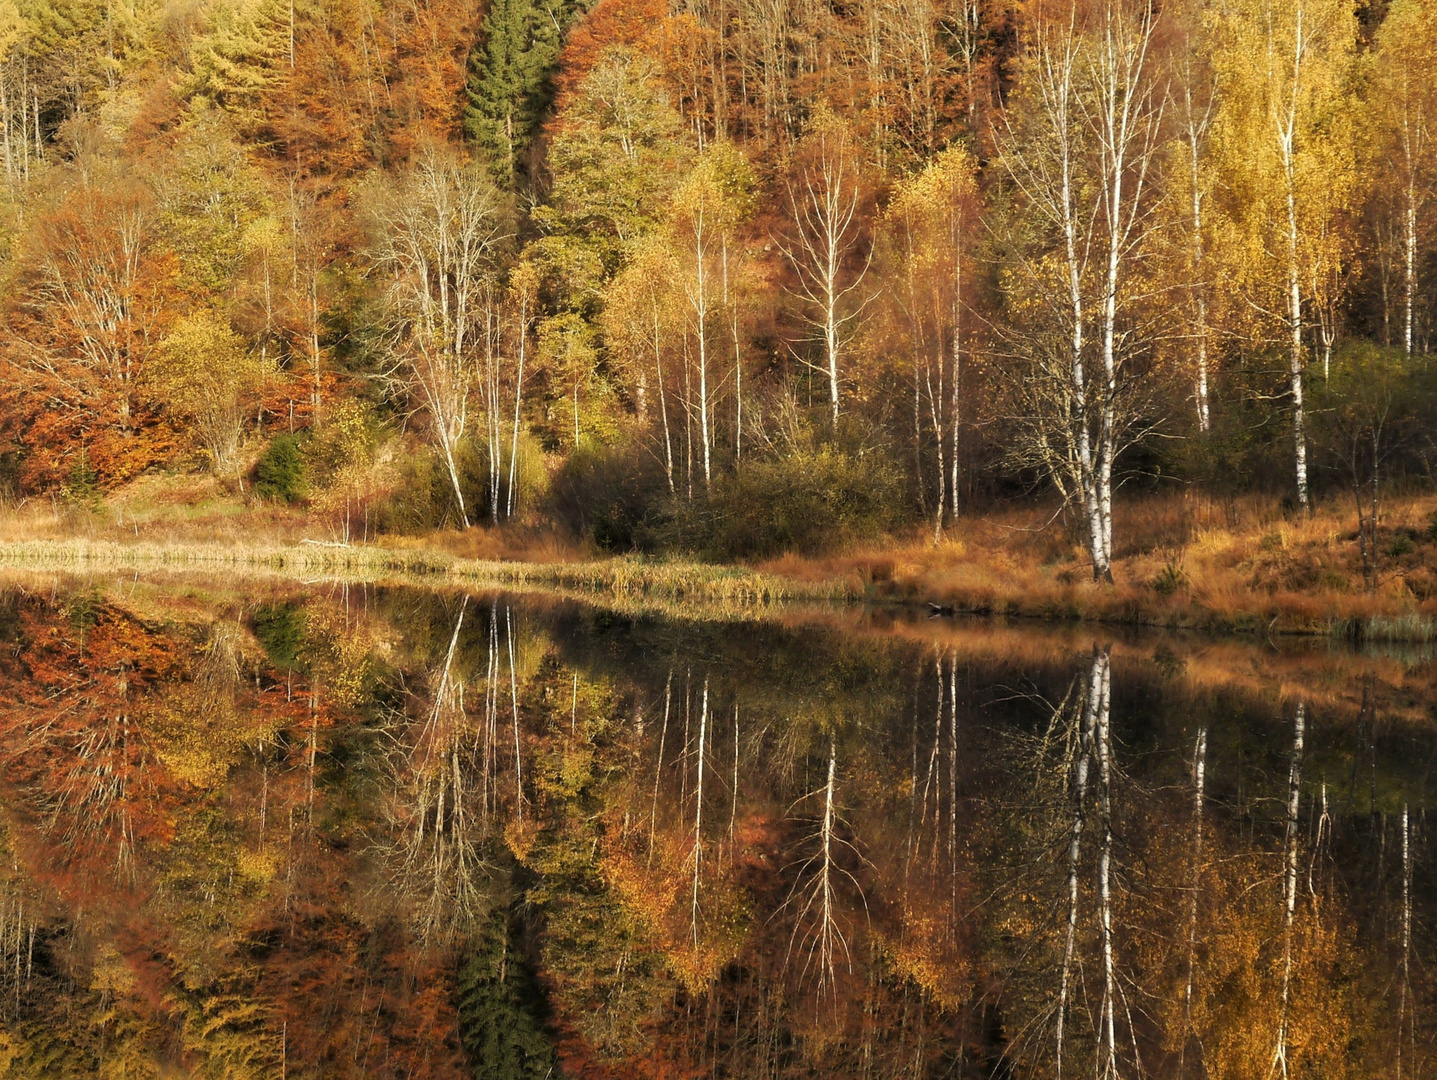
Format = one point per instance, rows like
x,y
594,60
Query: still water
x,y
281,831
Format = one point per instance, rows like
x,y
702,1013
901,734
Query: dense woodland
x,y
394,834
732,277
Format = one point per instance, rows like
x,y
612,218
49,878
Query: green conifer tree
x,y
510,78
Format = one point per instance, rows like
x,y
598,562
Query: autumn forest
x,y
752,539
726,281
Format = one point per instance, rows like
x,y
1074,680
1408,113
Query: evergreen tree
x,y
510,70
498,1004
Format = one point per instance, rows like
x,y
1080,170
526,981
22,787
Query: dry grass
x,y
636,585
1238,565
1183,561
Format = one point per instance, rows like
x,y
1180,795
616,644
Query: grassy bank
x,y
1183,562
723,588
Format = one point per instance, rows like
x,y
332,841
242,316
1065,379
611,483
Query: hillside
x,y
733,280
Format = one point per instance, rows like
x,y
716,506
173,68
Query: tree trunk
x,y
935,405
1079,792
1409,267
663,404
1286,136
518,401
514,712
659,767
955,409
1289,886
1195,881
699,815
1199,285
1107,1065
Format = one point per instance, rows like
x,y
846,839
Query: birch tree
x,y
1404,154
1194,99
930,218
1080,145
825,245
1283,142
438,229
641,326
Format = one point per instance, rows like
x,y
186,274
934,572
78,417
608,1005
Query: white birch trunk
x,y
699,815
1289,886
1107,1063
1287,150
1079,789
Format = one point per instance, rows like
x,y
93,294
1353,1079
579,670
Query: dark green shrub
x,y
1400,546
83,483
280,471
1170,579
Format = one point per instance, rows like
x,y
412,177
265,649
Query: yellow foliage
x,y
204,372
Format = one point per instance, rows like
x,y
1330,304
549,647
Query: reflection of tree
x,y
498,1000
818,935
1073,793
94,804
1289,887
966,807
440,870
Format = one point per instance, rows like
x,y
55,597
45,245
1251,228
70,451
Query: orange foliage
x,y
369,84
96,294
633,23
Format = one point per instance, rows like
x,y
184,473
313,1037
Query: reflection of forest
x,y
405,834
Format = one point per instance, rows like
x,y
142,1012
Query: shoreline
x,y
693,589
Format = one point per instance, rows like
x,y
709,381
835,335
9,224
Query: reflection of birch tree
x,y
818,935
1289,888
439,865
1406,1028
1195,886
1073,978
1079,787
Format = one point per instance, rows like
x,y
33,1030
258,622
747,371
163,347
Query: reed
x,y
636,580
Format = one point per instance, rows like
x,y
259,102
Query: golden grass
x,y
637,585
1182,562
1242,564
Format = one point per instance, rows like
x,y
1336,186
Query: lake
x,y
257,829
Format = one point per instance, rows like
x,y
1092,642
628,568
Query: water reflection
x,y
252,832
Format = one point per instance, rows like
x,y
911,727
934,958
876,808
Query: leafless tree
x,y
437,232
824,240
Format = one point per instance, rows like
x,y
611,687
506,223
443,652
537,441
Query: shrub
x,y
609,494
423,498
1170,579
811,500
280,471
83,484
279,628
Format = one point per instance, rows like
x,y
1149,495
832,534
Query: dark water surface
x,y
278,831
